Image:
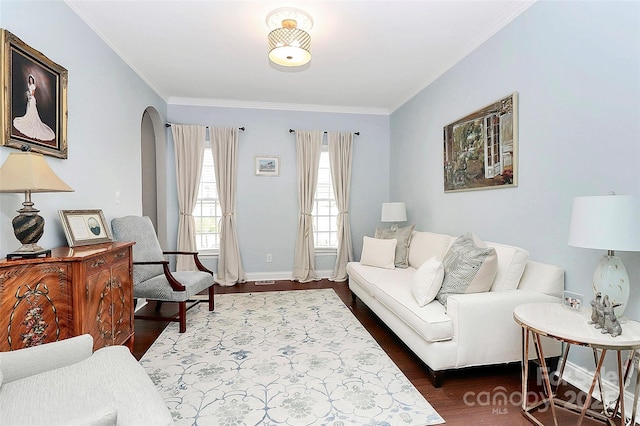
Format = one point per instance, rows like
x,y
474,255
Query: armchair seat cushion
x,y
158,288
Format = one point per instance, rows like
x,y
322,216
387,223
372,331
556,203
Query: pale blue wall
x,y
267,212
106,100
576,67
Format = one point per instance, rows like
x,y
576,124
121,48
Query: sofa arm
x,y
484,327
21,363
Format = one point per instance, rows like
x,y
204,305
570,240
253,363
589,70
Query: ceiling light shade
x,y
289,42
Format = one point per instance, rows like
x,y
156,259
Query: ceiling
x,y
368,56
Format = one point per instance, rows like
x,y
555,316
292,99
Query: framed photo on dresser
x,y
85,227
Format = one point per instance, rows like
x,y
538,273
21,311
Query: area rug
x,y
281,358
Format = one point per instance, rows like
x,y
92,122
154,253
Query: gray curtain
x,y
340,152
224,142
188,142
308,145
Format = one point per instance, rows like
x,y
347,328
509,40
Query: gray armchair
x,y
152,278
64,384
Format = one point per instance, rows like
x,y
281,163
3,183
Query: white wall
x,y
106,100
267,212
576,67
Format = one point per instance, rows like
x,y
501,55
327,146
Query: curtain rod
x,y
169,125
293,131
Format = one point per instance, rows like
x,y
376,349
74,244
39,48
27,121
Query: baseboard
x,y
282,275
581,378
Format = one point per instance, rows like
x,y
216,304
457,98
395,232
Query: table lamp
x,y
394,212
609,222
29,172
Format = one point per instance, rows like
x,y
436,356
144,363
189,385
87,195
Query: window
x,y
207,212
325,211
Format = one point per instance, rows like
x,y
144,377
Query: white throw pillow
x,y
511,263
427,281
379,252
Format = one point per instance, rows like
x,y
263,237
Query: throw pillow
x,y
378,252
403,236
467,268
427,281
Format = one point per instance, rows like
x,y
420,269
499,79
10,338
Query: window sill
x,y
326,251
208,253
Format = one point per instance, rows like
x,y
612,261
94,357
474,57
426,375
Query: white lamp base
x,y
610,278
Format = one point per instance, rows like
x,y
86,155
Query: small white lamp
x,y
394,212
609,222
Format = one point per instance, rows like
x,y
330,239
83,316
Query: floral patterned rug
x,y
281,358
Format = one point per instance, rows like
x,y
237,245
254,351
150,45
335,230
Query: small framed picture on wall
x,y
267,166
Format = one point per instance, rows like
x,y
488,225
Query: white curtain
x,y
188,142
224,141
308,145
340,150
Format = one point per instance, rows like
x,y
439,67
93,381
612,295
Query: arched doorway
x,y
154,178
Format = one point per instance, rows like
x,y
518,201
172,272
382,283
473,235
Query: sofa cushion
x,y
431,321
425,245
511,263
427,281
468,268
378,252
403,237
369,276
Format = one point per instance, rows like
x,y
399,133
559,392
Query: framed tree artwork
x,y
33,99
481,149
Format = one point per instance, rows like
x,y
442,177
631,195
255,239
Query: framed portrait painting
x,y
481,149
33,99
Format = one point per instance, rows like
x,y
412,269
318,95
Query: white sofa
x,y
474,329
63,383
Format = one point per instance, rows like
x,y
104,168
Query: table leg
x,y
545,378
621,389
596,378
563,363
525,366
635,395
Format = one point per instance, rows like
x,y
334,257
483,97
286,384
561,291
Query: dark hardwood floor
x,y
475,396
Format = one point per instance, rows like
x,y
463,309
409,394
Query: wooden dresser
x,y
74,291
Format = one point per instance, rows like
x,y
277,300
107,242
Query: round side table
x,y
571,327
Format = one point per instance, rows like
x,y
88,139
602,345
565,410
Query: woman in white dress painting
x,y
30,124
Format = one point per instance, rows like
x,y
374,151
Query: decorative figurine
x,y
611,323
600,312
603,316
594,309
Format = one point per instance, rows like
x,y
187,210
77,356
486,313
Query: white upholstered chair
x,y
152,278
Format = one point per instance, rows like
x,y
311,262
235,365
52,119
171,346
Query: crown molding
x,y
227,103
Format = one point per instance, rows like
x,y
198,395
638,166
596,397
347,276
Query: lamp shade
x,y
608,222
394,212
29,171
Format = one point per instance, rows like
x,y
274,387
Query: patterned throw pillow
x,y
468,268
403,236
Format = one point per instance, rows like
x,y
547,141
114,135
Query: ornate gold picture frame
x,y
33,99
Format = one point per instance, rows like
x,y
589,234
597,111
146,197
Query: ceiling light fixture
x,y
289,41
